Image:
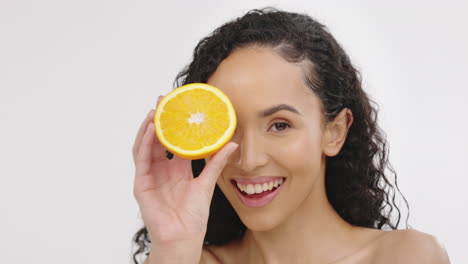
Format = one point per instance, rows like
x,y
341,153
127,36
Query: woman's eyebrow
x,y
276,108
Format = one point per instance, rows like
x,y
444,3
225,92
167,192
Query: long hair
x,y
356,179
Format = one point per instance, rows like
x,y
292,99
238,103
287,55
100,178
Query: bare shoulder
x,y
208,257
411,246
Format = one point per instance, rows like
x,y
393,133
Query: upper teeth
x,y
258,188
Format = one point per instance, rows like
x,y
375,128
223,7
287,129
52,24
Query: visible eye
x,y
281,126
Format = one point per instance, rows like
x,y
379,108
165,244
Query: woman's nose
x,y
251,153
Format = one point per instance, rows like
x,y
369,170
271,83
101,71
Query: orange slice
x,y
194,121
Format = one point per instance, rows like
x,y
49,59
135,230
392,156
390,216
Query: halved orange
x,y
195,120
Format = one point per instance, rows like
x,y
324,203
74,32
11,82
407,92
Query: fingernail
x,y
232,148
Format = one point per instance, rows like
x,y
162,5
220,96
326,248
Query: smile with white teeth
x,y
259,188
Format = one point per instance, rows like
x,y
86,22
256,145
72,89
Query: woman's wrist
x,y
183,252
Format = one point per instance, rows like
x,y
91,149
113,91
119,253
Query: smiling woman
x,y
304,179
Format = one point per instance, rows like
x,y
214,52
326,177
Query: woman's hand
x,y
173,204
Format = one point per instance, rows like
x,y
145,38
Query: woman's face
x,y
282,142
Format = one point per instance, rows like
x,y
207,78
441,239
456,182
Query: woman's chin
x,y
259,222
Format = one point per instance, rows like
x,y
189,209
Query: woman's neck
x,y
314,232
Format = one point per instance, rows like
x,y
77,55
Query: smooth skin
x,y
299,225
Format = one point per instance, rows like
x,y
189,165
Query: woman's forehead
x,y
260,74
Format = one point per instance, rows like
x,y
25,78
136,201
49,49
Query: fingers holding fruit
x,y
149,120
141,131
192,122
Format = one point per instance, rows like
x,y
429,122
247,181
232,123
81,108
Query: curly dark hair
x,y
355,179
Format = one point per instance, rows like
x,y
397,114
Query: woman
x,y
304,125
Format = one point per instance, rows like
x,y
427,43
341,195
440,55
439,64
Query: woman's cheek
x,y
300,152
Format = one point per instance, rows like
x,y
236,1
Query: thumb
x,y
215,166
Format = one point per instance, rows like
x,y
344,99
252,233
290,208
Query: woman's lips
x,y
258,199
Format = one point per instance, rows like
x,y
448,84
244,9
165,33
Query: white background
x,y
78,77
